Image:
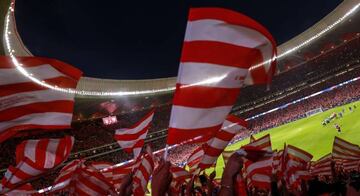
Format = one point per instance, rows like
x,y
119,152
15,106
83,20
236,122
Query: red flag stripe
x,y
205,97
188,134
219,53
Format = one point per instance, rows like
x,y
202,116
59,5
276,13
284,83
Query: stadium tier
x,y
310,110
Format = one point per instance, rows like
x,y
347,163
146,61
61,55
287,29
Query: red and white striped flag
x,y
24,190
345,150
295,167
214,147
194,159
132,139
104,168
220,51
258,174
142,174
351,165
179,175
263,143
322,167
277,160
66,175
34,157
26,105
81,180
114,173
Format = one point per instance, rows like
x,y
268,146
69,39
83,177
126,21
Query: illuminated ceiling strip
x,y
144,92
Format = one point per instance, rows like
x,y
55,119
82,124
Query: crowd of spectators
x,y
312,70
340,96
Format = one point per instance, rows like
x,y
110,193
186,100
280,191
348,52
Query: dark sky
x,y
133,39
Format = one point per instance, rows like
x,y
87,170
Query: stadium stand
x,y
94,140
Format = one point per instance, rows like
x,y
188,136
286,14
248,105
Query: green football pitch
x,y
309,134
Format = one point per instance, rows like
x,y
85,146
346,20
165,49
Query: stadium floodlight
x,y
30,76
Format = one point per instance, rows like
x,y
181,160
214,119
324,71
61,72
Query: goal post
x,y
314,112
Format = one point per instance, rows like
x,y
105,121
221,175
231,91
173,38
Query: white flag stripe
x,y
34,97
207,74
56,118
41,72
261,178
218,143
220,31
30,149
51,153
194,118
299,154
259,164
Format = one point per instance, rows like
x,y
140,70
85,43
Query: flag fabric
x,y
25,105
351,165
345,150
104,168
277,160
179,175
215,146
263,143
132,139
115,173
119,172
46,153
66,174
258,174
142,174
194,159
220,53
35,157
322,167
295,167
25,189
81,180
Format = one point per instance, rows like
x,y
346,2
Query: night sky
x,y
132,39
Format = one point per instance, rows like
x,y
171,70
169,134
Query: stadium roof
x,y
290,49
